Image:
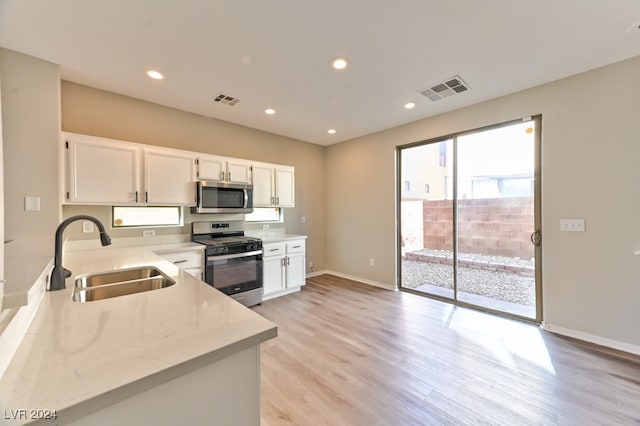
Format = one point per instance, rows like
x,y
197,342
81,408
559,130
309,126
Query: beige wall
x,y
94,112
31,127
590,151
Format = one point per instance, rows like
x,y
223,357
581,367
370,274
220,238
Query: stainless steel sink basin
x,y
122,282
117,276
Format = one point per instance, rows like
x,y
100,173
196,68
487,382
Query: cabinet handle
x,y
278,200
297,246
274,249
282,262
221,175
136,196
273,200
229,176
146,196
288,261
180,261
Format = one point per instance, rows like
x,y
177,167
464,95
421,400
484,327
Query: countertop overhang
x,y
77,358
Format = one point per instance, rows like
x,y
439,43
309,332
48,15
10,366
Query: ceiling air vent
x,y
225,99
449,87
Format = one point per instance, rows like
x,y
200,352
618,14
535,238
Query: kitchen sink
x,y
117,276
106,285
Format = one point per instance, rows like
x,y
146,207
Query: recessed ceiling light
x,y
155,75
270,111
409,105
339,63
331,131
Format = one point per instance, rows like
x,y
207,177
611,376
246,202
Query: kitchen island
x,y
181,354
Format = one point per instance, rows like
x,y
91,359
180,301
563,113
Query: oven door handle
x,y
234,256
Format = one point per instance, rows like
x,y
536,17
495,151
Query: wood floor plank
x,y
353,354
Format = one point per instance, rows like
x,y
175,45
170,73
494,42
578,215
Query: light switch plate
x,y
31,204
572,225
149,233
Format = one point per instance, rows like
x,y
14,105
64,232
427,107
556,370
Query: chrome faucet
x,y
60,273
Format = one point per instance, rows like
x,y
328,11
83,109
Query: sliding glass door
x,y
468,208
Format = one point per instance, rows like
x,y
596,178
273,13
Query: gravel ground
x,y
496,285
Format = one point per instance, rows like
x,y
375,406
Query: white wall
x,y
31,126
590,151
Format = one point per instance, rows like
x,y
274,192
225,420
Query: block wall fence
x,y
492,226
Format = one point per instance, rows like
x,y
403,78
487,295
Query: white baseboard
x,y
316,273
591,338
353,278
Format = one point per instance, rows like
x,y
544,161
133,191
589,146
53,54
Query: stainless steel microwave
x,y
223,197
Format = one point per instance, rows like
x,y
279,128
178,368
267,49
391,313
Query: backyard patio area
x,y
505,283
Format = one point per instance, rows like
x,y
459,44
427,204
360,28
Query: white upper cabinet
x,y
169,177
263,189
285,186
211,167
101,171
273,185
106,171
111,172
223,169
238,171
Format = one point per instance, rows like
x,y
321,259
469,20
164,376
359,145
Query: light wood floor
x,y
352,354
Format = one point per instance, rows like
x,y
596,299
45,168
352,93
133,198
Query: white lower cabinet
x,y
284,269
190,261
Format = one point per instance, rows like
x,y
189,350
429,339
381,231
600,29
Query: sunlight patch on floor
x,y
508,340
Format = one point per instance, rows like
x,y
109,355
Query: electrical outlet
x,y
372,262
573,225
265,227
87,227
303,219
311,266
149,233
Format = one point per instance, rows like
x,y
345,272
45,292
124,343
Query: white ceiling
x,y
276,53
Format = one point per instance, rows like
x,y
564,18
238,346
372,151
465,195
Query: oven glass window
x,y
232,272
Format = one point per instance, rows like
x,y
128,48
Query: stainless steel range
x,y
233,262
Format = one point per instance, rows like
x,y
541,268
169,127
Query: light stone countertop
x,y
276,238
77,358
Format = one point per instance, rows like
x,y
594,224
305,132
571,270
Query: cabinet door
x,y
169,178
285,187
262,186
238,171
211,168
101,171
296,273
273,274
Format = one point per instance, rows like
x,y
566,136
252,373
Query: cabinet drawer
x,y
296,246
185,260
273,249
